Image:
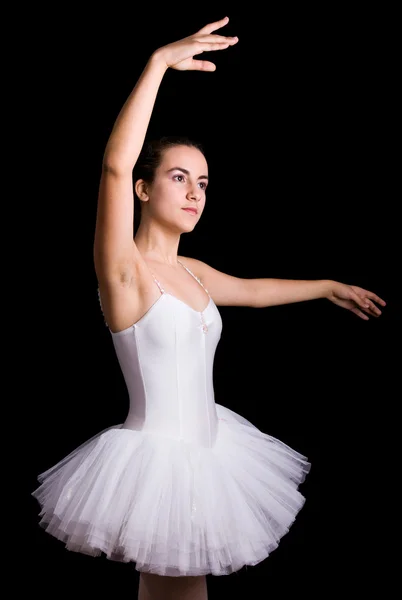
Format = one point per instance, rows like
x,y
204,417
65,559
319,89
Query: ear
x,y
141,189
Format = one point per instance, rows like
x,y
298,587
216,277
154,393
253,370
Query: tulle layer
x,y
172,507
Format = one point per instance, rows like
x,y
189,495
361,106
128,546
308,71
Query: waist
x,y
189,424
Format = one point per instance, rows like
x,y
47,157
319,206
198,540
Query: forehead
x,y
185,157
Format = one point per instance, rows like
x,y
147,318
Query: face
x,y
177,195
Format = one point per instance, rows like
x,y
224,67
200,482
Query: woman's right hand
x,y
180,55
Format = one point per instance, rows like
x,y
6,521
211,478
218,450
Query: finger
x,y
210,47
360,314
202,65
374,310
210,27
376,298
217,39
361,302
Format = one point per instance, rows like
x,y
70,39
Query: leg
x,y
156,587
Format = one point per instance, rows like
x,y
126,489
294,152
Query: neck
x,y
157,244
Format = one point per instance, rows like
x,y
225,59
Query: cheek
x,y
168,194
166,203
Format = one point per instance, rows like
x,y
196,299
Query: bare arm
x,y
114,247
128,134
227,290
272,292
115,252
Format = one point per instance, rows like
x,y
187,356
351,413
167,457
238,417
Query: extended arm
x,y
227,290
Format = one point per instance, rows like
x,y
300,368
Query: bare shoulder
x,y
197,267
225,289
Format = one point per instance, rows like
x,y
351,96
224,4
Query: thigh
x,y
157,587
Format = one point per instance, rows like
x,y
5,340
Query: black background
x,y
299,126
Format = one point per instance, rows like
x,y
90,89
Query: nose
x,y
194,195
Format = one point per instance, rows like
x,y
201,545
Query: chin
x,y
187,229
187,225
181,227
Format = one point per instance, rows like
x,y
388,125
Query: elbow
x,y
117,168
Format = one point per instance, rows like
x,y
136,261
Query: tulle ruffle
x,y
172,507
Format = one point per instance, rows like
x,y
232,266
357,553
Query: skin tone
x,y
180,182
155,587
124,266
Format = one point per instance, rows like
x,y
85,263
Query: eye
x,y
179,176
203,185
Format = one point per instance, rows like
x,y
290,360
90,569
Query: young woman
x,y
185,487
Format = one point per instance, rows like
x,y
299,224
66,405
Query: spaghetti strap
x,y
162,291
195,277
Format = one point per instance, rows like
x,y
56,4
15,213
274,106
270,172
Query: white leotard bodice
x,y
167,359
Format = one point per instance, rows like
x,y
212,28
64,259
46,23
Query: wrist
x,y
157,61
327,288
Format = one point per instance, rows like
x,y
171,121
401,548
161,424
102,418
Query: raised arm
x,y
115,252
114,247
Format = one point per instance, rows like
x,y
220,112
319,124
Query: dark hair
x,y
151,157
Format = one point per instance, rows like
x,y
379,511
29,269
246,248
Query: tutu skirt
x,y
171,507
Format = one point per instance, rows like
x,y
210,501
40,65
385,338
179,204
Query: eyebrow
x,y
186,172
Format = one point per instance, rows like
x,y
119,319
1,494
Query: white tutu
x,y
173,507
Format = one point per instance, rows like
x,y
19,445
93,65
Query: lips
x,y
192,211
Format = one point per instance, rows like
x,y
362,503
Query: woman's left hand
x,y
358,300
